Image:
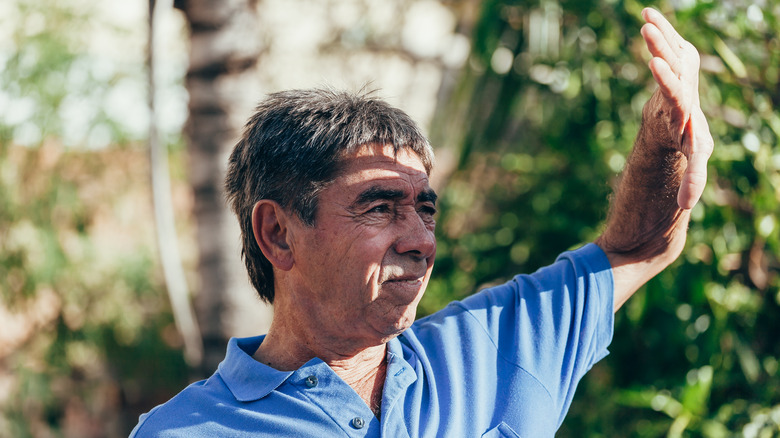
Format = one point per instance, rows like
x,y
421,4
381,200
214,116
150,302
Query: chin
x,y
393,322
404,322
393,329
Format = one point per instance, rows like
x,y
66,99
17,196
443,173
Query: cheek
x,y
356,271
372,249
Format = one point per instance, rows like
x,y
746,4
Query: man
x,y
337,219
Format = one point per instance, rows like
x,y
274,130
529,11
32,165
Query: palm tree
x,y
224,50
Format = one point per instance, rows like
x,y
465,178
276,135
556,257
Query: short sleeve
x,y
556,323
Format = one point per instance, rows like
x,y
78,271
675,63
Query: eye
x,y
381,209
427,210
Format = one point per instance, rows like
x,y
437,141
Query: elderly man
x,y
337,219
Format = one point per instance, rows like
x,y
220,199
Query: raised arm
x,y
667,170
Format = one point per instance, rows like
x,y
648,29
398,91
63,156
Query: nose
x,y
416,238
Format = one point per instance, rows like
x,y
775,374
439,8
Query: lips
x,y
403,288
410,279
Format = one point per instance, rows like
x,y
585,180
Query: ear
x,y
269,224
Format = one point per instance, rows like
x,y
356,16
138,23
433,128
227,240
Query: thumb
x,y
697,146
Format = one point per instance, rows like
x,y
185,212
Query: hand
x,y
675,67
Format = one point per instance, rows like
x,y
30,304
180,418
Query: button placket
x,y
318,384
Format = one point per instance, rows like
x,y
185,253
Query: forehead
x,y
373,163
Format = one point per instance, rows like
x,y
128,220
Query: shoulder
x,y
583,275
529,318
183,414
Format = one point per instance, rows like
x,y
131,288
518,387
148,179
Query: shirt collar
x,y
247,378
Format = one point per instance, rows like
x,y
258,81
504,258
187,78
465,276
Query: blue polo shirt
x,y
502,363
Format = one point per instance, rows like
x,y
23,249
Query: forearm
x,y
667,170
646,228
645,218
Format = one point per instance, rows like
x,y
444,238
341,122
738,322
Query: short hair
x,y
291,149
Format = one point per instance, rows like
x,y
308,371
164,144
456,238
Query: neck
x,y
288,346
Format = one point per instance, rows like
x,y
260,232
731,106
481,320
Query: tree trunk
x,y
221,81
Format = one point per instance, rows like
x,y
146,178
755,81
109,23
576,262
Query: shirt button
x,y
358,423
311,381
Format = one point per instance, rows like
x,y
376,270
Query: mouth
x,y
410,280
408,286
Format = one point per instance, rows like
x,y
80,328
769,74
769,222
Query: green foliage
x,y
88,342
52,87
542,118
91,338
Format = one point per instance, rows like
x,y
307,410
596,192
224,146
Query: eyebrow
x,y
376,193
428,196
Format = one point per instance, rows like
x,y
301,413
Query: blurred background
x,y
120,277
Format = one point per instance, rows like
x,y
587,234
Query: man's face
x,y
362,269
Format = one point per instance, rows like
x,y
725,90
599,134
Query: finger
x,y
659,47
697,146
675,41
685,62
671,86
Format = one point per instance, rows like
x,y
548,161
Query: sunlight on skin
x,y
675,67
354,280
